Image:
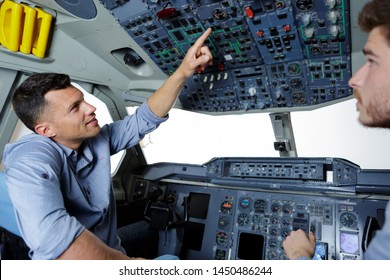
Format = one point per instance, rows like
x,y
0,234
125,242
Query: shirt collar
x,y
79,159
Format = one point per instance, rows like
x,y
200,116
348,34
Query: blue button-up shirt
x,y
57,192
379,247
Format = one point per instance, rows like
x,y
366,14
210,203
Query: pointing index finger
x,y
202,38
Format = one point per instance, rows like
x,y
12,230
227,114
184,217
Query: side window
x,y
102,114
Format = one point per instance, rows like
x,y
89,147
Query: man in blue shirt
x,y
371,86
59,178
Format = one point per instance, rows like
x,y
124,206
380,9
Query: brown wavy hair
x,y
376,13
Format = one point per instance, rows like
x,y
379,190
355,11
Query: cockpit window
x,y
188,137
332,131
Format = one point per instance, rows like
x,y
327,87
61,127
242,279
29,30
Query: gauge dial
x,y
227,207
260,205
274,219
256,219
243,219
286,221
273,243
219,14
245,202
285,232
296,83
274,231
348,220
272,255
299,97
287,208
294,69
221,238
275,207
223,222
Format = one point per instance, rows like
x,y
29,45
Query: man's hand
x,y
198,57
297,244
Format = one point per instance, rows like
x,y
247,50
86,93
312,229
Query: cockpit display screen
x,y
349,242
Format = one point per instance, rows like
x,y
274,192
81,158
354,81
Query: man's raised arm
x,y
198,57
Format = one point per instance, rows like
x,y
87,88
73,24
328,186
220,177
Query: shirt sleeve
x,y
379,247
33,177
128,132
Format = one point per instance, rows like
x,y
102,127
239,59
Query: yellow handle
x,y
28,29
11,15
42,26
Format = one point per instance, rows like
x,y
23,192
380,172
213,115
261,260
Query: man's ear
x,y
44,129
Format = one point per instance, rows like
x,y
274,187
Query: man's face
x,y
371,83
71,120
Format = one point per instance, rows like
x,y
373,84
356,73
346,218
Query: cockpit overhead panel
x,y
268,55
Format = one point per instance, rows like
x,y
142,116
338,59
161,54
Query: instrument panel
x,y
219,216
268,55
252,225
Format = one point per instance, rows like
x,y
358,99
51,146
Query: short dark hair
x,y
376,13
29,98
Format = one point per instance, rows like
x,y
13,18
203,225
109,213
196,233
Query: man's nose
x,y
358,78
88,108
